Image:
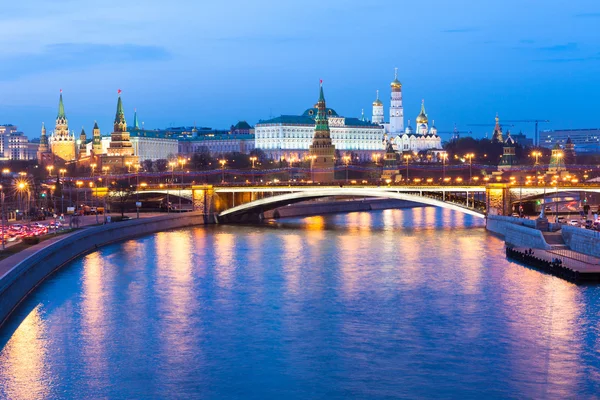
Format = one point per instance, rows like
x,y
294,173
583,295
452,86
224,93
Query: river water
x,y
414,303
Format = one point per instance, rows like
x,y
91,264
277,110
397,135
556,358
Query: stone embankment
x,y
22,272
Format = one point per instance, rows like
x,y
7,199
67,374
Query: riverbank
x,y
23,272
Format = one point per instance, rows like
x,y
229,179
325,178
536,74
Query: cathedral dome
x,y
396,84
377,102
422,117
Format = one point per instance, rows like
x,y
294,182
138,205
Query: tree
x,y
120,194
160,165
147,165
202,159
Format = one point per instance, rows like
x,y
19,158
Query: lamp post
x,y
172,165
406,158
444,158
93,202
182,162
137,188
223,162
253,160
79,184
470,158
346,162
50,168
105,170
62,172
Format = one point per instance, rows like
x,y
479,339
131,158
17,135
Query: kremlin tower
x,y
396,109
62,143
97,140
44,155
322,150
120,150
378,111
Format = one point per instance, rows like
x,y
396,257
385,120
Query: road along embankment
x,y
23,272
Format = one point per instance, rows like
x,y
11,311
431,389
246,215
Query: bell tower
x,y
322,151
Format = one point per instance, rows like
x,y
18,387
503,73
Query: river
x,y
414,303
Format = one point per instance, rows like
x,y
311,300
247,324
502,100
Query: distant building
x,y
289,136
242,128
522,139
585,141
217,144
14,145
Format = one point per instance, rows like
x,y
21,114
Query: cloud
x,y
73,56
568,59
588,15
560,47
461,30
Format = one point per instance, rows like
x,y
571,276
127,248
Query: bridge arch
x,y
269,203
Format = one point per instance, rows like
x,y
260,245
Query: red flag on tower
x,y
119,91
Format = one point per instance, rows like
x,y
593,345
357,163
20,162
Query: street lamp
x,y
172,165
79,184
470,158
105,169
253,160
50,168
346,161
223,162
444,157
406,157
128,163
182,162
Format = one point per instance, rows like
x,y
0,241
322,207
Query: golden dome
x,y
377,103
422,117
396,84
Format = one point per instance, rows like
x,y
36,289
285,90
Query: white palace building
x,y
289,136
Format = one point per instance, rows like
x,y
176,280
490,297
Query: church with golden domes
x,y
407,139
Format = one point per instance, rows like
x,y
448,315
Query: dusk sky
x,y
215,63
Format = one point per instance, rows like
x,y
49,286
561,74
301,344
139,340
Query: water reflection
x,y
364,305
24,360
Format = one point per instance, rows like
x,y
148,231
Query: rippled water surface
x,y
415,303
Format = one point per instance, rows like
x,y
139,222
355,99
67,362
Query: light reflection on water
x,y
398,303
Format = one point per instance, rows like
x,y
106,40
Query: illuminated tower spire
x,y
136,125
396,108
377,110
497,136
97,139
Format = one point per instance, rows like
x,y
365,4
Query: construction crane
x,y
488,125
536,137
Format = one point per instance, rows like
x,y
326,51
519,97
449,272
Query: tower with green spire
x,y
82,142
557,160
120,151
322,151
62,143
509,158
136,125
97,140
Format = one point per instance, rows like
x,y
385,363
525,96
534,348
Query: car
x,y
574,222
562,220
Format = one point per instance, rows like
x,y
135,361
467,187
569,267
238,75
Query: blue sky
x,y
214,63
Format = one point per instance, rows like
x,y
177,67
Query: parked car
x,y
562,220
574,222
